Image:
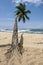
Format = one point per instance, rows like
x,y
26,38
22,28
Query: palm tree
x,y
21,14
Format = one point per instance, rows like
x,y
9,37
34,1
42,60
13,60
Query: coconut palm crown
x,y
21,12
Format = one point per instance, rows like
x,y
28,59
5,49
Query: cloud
x,y
37,2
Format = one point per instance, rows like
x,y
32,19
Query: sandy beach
x,y
33,48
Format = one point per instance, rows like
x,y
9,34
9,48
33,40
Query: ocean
x,y
24,30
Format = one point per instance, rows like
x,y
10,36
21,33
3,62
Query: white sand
x,y
33,48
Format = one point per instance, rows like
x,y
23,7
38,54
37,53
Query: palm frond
x,y
20,17
28,11
18,12
23,19
21,7
27,17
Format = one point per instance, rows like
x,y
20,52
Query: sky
x,y
7,15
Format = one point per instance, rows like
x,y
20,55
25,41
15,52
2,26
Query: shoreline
x,y
24,30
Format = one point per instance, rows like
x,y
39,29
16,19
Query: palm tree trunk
x,y
15,33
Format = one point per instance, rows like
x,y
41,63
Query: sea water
x,y
24,30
